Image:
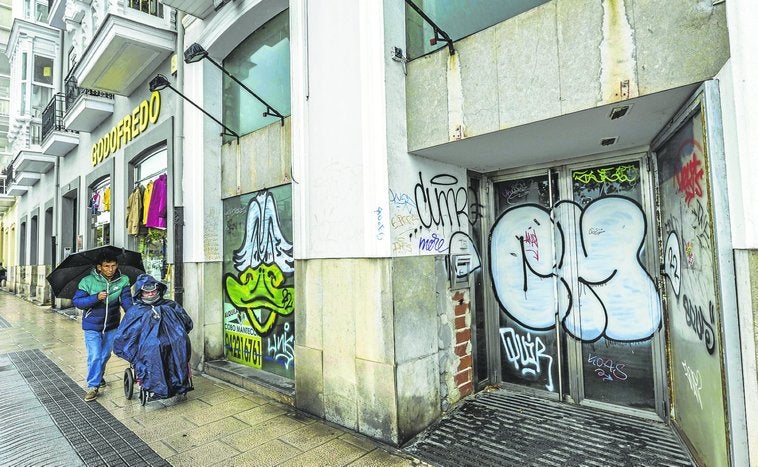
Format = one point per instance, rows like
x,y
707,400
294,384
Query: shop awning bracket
x,y
439,34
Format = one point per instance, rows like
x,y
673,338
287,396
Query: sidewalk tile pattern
x,y
27,431
502,428
97,436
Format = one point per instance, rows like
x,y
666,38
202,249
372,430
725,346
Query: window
x,y
457,19
149,227
99,208
35,10
42,85
262,62
22,97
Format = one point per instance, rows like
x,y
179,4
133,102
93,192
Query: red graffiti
x,y
530,239
689,178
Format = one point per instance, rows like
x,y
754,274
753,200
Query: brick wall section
x,y
464,375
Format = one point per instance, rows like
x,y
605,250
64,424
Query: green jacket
x,y
102,315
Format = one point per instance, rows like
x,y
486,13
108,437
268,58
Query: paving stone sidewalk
x,y
42,373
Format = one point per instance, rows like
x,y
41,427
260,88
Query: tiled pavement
x,y
217,425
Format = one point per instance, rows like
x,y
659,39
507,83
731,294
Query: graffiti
x,y
403,220
531,243
688,179
444,199
607,369
526,355
514,192
462,246
621,173
432,244
701,225
697,322
695,380
281,348
689,253
379,224
264,263
264,242
596,231
402,201
617,297
474,206
672,262
401,245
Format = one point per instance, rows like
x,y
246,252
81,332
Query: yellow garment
x,y
107,199
134,211
146,201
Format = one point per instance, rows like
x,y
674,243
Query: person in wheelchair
x,y
154,338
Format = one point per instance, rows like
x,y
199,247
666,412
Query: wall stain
x,y
617,53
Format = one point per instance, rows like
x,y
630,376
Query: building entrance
x,y
577,313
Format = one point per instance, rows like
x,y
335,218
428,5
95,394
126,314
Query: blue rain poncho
x,y
154,339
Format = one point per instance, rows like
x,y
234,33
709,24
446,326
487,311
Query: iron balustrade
x,y
73,91
151,7
8,175
52,116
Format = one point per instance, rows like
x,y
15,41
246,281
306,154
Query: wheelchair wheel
x,y
142,396
128,383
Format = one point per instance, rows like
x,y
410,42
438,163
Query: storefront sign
x,y
128,128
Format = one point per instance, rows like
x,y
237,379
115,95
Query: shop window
x,y
259,281
99,210
457,19
262,62
146,219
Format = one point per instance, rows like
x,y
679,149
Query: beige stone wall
x,y
561,57
368,342
263,159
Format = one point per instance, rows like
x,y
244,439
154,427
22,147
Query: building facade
x,y
375,225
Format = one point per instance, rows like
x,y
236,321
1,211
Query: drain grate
x,y
97,436
506,428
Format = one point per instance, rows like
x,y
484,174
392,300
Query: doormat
x,y
502,428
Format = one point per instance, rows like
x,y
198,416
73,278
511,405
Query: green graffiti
x,y
620,173
261,289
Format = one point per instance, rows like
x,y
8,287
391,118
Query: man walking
x,y
99,296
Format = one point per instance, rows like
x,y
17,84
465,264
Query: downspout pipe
x,y
178,169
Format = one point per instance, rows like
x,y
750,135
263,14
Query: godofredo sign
x,y
128,128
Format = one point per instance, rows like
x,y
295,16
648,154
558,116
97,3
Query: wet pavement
x,y
45,421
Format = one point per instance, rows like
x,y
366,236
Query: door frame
x,y
570,385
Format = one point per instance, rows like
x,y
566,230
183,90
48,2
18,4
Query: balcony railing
x,y
9,175
52,116
73,91
151,7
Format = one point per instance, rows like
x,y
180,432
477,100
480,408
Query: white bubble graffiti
x,y
612,295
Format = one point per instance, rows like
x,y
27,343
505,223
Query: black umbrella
x,y
64,280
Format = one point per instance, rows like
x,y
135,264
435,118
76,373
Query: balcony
x,y
30,163
197,8
85,108
57,140
125,51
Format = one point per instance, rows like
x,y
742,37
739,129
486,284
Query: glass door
x,y
569,254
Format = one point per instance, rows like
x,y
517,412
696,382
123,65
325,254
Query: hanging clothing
x,y
134,211
107,199
146,201
156,215
94,202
